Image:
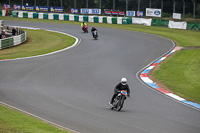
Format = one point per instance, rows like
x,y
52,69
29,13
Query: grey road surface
x,y
72,88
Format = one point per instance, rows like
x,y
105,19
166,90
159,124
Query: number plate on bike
x,y
124,92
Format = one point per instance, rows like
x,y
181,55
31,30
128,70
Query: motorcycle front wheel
x,y
120,104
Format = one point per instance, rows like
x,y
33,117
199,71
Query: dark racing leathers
x,y
118,88
92,30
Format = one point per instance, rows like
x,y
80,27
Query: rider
x,y
121,86
92,30
82,24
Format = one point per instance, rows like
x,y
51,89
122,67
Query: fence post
x,y
113,4
174,6
183,8
139,5
126,5
74,3
86,3
193,9
100,4
161,7
149,3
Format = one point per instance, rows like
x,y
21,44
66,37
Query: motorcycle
x,y
85,29
95,36
119,100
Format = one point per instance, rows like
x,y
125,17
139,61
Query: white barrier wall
x,y
81,18
30,14
17,40
50,15
91,19
61,16
40,15
71,17
142,21
20,15
100,19
109,20
3,12
177,25
119,20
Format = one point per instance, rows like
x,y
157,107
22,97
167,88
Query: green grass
x,y
12,121
181,74
38,42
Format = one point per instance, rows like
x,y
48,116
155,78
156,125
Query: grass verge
x,y
38,42
12,121
181,74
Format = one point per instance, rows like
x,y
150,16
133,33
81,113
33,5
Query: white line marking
x,y
138,75
77,42
175,96
54,124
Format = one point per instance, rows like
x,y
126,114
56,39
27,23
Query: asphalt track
x,y
72,88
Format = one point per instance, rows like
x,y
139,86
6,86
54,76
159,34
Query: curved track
x,y
72,88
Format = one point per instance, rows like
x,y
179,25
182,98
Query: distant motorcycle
x,y
95,35
85,29
119,100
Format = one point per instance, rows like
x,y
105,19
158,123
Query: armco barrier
x,y
13,40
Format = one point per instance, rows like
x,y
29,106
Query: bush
x,y
189,15
168,15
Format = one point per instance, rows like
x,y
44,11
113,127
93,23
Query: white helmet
x,y
123,81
